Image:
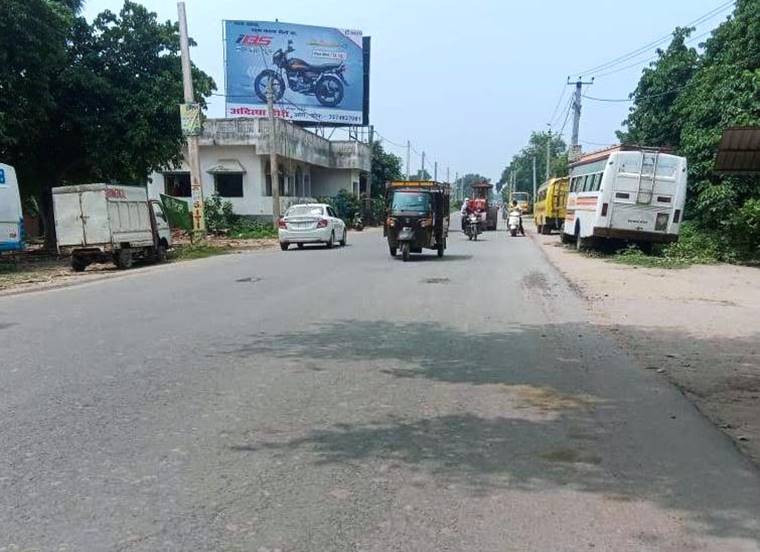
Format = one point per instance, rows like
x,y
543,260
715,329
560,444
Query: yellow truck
x,y
549,207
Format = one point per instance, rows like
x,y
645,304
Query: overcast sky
x,y
467,81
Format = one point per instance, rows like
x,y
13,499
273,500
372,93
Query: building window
x,y
229,185
177,184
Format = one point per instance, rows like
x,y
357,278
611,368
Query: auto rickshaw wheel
x,y
441,248
393,251
405,251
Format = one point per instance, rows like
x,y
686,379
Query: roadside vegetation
x,y
684,101
199,250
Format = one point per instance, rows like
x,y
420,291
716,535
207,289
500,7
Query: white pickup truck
x,y
100,222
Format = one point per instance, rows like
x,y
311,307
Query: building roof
x,y
739,151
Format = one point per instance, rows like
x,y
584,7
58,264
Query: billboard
x,y
317,75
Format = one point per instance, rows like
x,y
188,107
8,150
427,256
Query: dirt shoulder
x,y
698,326
36,272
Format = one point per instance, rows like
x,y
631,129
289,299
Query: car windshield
x,y
305,211
414,202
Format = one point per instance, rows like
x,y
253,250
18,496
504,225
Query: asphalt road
x,y
341,400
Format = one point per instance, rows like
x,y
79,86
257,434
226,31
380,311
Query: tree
x,y
724,91
652,120
110,102
522,163
422,174
386,167
468,180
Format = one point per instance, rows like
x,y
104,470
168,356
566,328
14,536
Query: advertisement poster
x,y
316,74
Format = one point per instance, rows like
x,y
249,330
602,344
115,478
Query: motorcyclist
x,y
515,209
470,207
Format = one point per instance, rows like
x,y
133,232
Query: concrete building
x,y
234,158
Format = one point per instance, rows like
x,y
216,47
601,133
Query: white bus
x,y
633,194
11,218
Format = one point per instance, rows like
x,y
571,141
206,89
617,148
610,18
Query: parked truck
x,y
103,222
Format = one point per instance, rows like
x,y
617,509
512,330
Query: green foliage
x,y
386,167
346,205
522,163
468,180
421,174
220,219
198,250
652,120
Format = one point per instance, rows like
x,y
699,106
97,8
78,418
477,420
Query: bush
x,y
246,229
346,205
218,214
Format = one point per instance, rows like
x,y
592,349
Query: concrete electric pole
x,y
273,169
193,155
534,180
408,158
369,178
579,84
435,171
549,155
423,165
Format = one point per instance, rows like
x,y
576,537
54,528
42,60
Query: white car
x,y
311,223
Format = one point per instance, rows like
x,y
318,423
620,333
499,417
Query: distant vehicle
x,y
102,222
417,217
549,208
522,199
483,191
311,223
11,216
628,193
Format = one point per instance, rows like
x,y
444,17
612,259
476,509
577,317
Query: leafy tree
x,y
110,98
386,167
468,180
422,174
652,120
522,163
724,91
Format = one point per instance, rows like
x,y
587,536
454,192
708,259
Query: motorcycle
x,y
357,222
472,226
513,223
326,81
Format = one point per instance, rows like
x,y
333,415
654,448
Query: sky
x,y
467,82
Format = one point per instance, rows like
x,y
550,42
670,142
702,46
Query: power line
x,y
635,99
559,102
643,49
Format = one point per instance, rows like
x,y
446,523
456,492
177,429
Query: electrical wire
x,y
647,47
559,102
635,99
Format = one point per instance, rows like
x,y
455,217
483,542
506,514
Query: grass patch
x,y
7,268
692,247
252,231
197,251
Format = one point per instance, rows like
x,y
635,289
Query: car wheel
x,y
345,238
284,246
331,242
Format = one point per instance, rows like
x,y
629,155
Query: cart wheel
x,y
405,251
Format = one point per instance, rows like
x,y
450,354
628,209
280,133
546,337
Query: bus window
x,y
587,183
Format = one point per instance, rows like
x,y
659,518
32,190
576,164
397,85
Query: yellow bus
x,y
550,206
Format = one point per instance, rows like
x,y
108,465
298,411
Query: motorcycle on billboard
x,y
324,81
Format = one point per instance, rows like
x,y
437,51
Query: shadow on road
x,y
568,446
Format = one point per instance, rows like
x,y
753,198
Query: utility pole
x,y
579,84
408,157
369,178
193,155
549,155
534,180
435,171
423,165
460,196
448,181
273,157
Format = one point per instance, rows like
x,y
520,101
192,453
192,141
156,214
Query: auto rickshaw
x,y
417,217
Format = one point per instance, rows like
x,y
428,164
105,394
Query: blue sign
x,y
2,176
315,74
